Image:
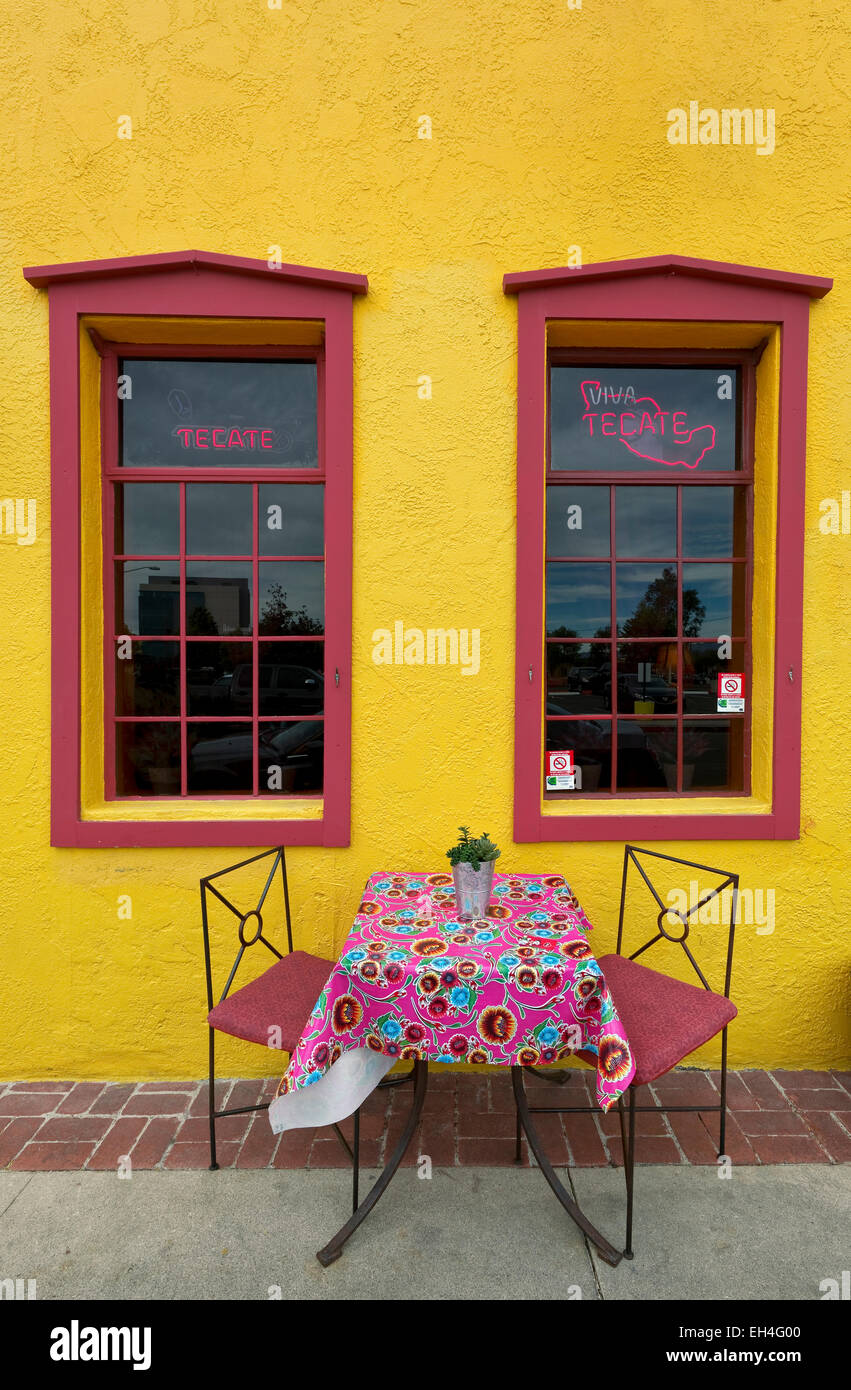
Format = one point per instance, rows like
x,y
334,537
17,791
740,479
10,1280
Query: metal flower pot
x,y
473,888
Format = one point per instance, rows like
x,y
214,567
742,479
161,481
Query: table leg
x,y
332,1251
607,1251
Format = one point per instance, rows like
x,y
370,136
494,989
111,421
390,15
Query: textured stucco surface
x,y
298,128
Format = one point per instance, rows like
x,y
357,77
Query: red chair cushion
x,y
282,998
665,1020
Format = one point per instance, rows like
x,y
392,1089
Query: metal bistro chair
x,y
665,1019
274,1008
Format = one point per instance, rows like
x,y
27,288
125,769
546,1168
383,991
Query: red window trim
x,y
669,289
195,285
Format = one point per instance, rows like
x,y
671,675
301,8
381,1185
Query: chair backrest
x,y
208,886
632,857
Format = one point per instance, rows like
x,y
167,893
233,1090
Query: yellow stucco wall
x,y
256,127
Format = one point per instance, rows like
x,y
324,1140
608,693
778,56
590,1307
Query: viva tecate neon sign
x,y
642,427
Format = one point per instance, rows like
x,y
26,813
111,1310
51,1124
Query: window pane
x,y
292,598
714,521
647,600
147,761
220,758
578,521
636,419
701,669
579,678
147,598
646,521
647,755
218,598
147,678
218,676
591,742
291,680
713,600
647,678
218,519
291,757
147,519
713,756
208,414
291,519
578,600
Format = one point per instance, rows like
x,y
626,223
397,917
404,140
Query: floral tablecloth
x,y
519,985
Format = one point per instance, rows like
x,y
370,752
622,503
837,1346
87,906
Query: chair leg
x,y
517,1138
356,1161
629,1171
723,1128
212,1094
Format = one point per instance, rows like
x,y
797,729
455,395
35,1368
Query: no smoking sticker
x,y
561,774
731,692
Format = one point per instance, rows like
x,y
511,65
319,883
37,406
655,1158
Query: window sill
x,y
657,818
210,822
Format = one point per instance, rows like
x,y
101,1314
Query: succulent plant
x,y
472,852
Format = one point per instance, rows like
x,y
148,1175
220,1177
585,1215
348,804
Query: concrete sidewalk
x,y
468,1233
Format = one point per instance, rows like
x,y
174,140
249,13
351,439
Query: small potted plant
x,y
472,869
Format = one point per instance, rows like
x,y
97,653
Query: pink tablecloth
x,y
519,985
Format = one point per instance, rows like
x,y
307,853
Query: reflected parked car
x,y
225,764
632,688
283,689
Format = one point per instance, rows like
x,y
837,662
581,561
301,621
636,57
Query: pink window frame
x,y
662,289
197,285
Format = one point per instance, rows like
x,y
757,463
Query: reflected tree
x,y
656,613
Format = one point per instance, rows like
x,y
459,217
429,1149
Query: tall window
x,y
648,560
214,503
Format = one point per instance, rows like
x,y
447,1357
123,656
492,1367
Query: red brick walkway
x,y
777,1117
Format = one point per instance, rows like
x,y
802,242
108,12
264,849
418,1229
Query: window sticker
x,y
731,693
561,773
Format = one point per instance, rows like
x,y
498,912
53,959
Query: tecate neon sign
x,y
634,426
236,439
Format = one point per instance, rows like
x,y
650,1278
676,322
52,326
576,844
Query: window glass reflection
x,y
147,598
291,678
719,599
646,521
578,521
220,759
218,519
647,600
290,757
290,519
578,600
147,518
292,598
647,677
147,761
218,598
591,743
701,669
579,678
713,754
147,678
713,521
647,755
211,669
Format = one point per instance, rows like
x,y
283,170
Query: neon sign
x,y
236,438
630,426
